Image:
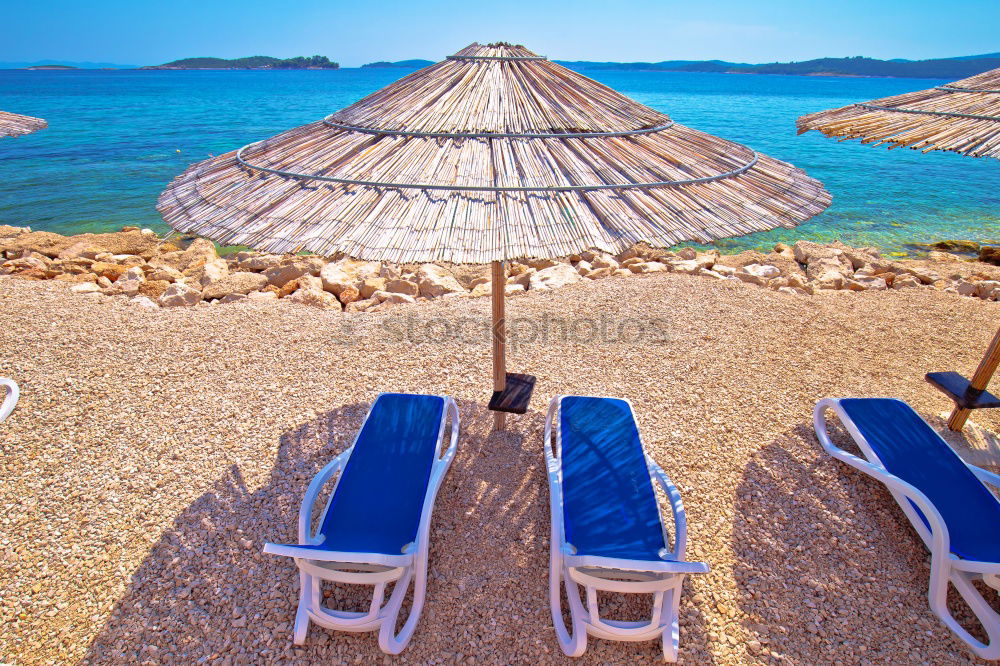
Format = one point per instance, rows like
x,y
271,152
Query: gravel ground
x,y
153,454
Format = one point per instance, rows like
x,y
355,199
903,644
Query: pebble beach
x,y
155,451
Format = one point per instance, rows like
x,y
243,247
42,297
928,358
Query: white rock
x,y
312,293
583,267
400,286
260,263
688,266
648,267
907,281
348,273
262,296
284,273
871,282
553,277
213,271
434,281
85,288
130,281
598,273
385,296
178,294
165,273
602,260
986,288
964,287
145,303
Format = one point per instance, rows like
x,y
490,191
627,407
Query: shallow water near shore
x,y
116,138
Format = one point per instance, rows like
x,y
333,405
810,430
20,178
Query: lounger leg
x,y
388,640
988,618
306,593
672,631
573,644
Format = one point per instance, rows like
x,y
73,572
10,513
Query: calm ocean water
x,y
116,138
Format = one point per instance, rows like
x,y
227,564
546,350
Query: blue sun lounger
x,y
11,394
607,533
375,527
944,498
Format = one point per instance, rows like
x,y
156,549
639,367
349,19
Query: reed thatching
x,y
962,117
12,124
492,154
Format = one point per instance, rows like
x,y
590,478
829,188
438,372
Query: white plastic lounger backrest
x,y
662,579
11,394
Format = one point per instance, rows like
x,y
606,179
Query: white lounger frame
x,y
945,566
375,569
10,399
661,579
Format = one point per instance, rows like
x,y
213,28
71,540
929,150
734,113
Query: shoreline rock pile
x,y
136,264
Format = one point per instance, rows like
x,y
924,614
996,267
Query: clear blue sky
x,y
353,33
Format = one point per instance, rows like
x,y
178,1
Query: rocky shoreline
x,y
153,272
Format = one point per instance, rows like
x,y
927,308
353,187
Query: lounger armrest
x,y
452,408
989,478
312,492
550,454
664,566
676,507
939,530
290,550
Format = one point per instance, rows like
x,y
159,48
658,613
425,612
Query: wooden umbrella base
x,y
969,394
515,396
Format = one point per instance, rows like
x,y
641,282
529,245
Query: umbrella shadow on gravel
x,y
207,592
828,567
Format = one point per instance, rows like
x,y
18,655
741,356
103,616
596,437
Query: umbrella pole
x,y
979,381
498,288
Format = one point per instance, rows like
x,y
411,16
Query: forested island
x,y
939,68
252,62
401,64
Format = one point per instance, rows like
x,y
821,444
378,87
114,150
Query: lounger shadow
x,y
945,499
375,527
607,531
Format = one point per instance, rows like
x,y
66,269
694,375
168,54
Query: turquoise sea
x,y
116,138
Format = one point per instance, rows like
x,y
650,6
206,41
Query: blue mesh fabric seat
x,y
377,504
609,507
910,449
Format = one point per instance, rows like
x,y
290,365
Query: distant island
x,y
939,68
51,67
402,64
252,62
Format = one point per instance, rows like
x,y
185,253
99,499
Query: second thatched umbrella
x,y
493,154
962,117
11,124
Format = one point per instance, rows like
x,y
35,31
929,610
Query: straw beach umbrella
x,y
491,155
962,117
11,124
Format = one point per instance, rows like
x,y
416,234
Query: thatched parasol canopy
x,y
12,124
963,117
492,154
